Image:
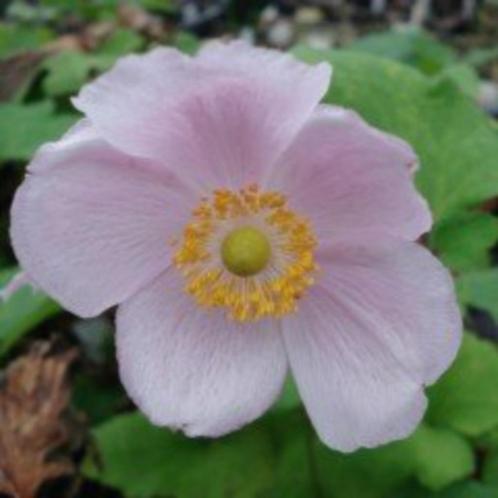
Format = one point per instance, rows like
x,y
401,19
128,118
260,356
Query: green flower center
x,y
245,251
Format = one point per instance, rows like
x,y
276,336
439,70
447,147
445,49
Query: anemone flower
x,y
243,230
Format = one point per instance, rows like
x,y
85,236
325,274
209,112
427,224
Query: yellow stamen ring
x,y
247,252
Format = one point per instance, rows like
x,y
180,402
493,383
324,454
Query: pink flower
x,y
242,229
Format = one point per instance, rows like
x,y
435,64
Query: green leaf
x,y
69,70
164,6
490,439
186,42
436,457
441,456
480,56
289,399
490,470
121,42
480,289
464,76
365,473
467,489
279,456
25,12
66,73
463,242
98,398
470,489
466,398
95,10
15,38
141,461
409,45
392,44
295,473
23,128
21,313
456,142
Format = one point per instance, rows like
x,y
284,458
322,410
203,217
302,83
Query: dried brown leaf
x,y
141,21
33,402
17,71
63,43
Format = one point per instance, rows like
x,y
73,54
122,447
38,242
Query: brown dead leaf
x,y
96,33
18,71
63,43
33,401
138,19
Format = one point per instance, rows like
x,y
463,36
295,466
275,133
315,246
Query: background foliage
x,y
403,81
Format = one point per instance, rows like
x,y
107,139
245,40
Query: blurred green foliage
x,y
480,289
440,453
24,127
456,143
15,39
404,82
24,311
466,399
409,45
67,71
464,240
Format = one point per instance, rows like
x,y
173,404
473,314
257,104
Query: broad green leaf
x,y
69,70
392,44
21,313
66,72
464,76
470,489
279,456
164,6
480,56
15,38
480,289
186,42
466,398
440,456
456,142
24,12
365,473
99,399
490,439
94,10
289,399
23,128
59,4
143,461
409,45
465,489
463,242
490,470
436,457
295,472
121,42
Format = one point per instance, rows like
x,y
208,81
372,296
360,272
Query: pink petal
x,y
193,370
348,177
91,226
218,119
381,323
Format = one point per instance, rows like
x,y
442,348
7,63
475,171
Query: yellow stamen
x,y
247,252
